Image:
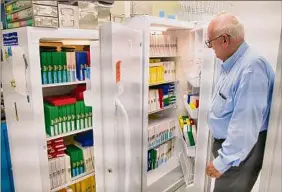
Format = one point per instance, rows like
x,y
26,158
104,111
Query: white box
x,y
68,16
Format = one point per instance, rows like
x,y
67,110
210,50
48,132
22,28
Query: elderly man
x,y
239,112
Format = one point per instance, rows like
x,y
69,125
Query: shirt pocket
x,y
219,105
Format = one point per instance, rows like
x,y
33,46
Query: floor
x,y
255,189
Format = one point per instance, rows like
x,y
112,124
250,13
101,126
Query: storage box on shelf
x,y
161,97
69,162
162,45
62,118
191,103
161,71
84,183
31,13
65,66
160,131
189,135
160,141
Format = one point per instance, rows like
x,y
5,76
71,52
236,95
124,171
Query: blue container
x,y
162,14
7,183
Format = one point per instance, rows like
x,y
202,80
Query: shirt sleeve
x,y
250,105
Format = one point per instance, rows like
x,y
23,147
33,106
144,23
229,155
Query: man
x,y
239,112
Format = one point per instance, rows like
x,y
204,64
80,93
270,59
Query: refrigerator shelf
x,y
194,82
165,108
190,151
152,147
48,138
63,84
151,57
161,83
74,180
187,165
193,113
164,169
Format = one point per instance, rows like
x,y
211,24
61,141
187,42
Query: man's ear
x,y
225,41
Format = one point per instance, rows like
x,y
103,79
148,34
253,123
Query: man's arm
x,y
250,104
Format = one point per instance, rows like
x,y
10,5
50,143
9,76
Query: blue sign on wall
x,y
10,39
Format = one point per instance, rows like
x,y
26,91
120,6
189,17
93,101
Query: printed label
x,y
10,39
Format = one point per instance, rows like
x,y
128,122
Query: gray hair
x,y
229,24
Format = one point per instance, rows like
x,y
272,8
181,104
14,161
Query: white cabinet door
x,y
121,94
271,170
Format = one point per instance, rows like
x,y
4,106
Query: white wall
x,y
262,21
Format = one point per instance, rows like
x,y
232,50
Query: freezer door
x,y
121,106
194,168
271,172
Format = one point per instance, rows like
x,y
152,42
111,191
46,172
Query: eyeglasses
x,y
208,42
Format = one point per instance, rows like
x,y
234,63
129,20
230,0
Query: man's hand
x,y
212,172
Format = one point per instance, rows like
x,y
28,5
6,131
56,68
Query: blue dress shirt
x,y
240,105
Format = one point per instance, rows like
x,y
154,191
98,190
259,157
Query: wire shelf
x,y
202,10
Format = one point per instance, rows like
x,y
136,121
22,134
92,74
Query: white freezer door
x,y
271,172
121,106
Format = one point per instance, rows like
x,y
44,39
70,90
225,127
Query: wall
x,y
262,20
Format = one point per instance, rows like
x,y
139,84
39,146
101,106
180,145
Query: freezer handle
x,y
127,145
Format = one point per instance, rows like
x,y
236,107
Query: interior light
x,y
76,42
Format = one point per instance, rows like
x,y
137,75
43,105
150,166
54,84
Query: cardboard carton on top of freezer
x,y
68,16
88,16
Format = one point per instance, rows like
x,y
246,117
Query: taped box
x,y
32,13
68,16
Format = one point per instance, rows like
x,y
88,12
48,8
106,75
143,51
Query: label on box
x,y
10,39
42,10
40,21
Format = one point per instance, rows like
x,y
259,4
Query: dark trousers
x,y
242,178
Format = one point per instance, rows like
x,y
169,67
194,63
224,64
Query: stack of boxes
x,y
72,160
188,130
77,161
161,71
86,185
84,142
59,171
31,13
161,132
64,114
161,96
163,45
159,155
56,148
161,145
62,67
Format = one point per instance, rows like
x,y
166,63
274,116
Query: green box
x,y
78,115
49,67
69,118
64,66
44,68
55,66
50,113
82,114
73,117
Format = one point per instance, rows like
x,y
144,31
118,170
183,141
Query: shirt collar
x,y
227,65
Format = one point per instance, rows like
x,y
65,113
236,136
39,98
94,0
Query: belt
x,y
222,140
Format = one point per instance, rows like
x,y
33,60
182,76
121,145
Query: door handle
x,y
127,145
